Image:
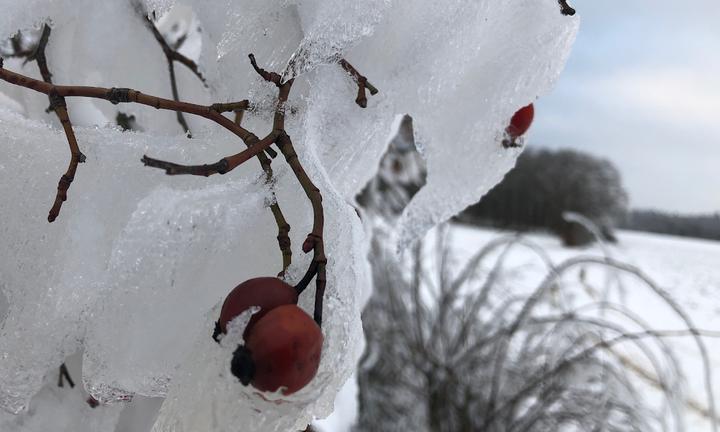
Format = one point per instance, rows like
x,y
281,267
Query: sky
x,y
642,89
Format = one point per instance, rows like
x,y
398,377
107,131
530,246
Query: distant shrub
x,y
455,348
546,183
701,226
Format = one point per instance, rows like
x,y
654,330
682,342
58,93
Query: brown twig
x,y
65,375
17,49
565,8
282,224
361,81
126,95
314,240
171,55
57,104
272,77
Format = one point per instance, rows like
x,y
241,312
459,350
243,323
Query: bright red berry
x,y
265,292
521,121
282,350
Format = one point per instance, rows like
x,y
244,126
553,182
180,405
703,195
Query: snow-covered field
x,y
688,269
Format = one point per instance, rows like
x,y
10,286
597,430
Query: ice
x,y
62,408
330,28
131,270
226,403
178,254
465,69
53,274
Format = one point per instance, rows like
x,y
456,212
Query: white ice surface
x,y
137,259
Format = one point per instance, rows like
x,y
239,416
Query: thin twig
x,y
314,240
282,224
272,77
171,55
127,95
361,81
65,375
307,278
57,104
565,8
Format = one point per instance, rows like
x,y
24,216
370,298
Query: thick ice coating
x,y
131,270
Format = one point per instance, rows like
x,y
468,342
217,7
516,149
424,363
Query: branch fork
x,y
255,147
361,81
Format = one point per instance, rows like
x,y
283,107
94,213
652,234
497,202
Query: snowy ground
x,y
688,269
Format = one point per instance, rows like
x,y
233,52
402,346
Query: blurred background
x,y
610,219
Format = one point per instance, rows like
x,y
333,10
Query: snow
x,y
685,268
132,270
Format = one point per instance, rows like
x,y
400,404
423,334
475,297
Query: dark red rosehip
x,y
264,292
282,350
521,121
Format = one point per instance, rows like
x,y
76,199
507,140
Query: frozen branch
x,y
58,105
127,95
314,241
272,77
64,375
283,236
361,81
565,8
172,55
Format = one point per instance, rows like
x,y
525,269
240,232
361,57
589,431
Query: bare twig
x,y
65,375
314,240
57,104
272,77
565,8
172,55
282,224
361,81
126,95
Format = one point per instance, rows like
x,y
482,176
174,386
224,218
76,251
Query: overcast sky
x,y
642,88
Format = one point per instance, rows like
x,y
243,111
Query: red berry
x,y
521,121
265,292
282,350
